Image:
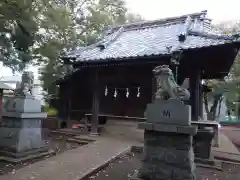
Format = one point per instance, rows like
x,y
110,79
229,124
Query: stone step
x,y
73,140
26,158
83,139
67,132
232,157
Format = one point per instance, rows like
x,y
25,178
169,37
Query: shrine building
x,y
114,75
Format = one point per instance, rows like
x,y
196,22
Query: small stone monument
x,y
20,131
168,151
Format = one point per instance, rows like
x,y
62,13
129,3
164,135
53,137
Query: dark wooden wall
x,y
77,91
121,78
79,88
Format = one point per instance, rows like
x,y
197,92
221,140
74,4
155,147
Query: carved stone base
x,y
16,154
21,137
167,156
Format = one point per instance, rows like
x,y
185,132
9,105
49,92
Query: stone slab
x,y
165,128
14,154
231,157
168,112
226,145
20,135
167,155
145,125
29,115
164,139
73,164
23,104
191,130
25,158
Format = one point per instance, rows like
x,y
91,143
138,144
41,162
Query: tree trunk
x,y
211,114
219,107
205,100
228,110
213,110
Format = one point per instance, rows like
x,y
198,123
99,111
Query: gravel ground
x,y
124,167
58,143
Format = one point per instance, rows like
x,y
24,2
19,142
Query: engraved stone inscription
x,y
166,113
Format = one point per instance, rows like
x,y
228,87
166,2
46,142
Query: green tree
x,y
80,23
18,31
226,88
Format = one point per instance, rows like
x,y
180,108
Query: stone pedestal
x,y
20,130
167,156
168,136
203,143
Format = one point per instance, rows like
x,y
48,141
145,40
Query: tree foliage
x,y
68,24
226,89
18,30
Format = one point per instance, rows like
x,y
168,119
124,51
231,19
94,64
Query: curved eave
x,y
144,60
132,59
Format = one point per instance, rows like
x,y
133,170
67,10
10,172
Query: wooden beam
x,y
95,104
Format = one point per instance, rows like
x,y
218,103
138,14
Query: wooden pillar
x,y
201,101
195,80
69,110
95,104
69,107
154,87
1,103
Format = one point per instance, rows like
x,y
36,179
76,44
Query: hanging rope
x,y
175,60
127,90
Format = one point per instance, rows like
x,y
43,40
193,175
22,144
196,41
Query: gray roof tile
x,y
152,38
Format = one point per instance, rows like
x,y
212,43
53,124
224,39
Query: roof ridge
x,y
163,21
112,38
212,35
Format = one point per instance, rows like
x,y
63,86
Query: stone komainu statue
x,y
25,88
167,88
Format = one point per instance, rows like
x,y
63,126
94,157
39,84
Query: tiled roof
x,y
153,38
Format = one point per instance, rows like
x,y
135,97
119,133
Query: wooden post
x,y
194,90
95,105
201,101
69,111
153,88
1,103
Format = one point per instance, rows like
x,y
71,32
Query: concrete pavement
x,y
116,139
73,164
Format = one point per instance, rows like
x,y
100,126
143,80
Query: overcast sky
x,y
218,10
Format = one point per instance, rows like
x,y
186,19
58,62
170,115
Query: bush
x,y
50,111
